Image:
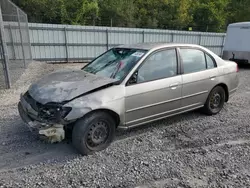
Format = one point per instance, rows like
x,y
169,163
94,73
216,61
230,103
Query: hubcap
x,y
215,100
98,134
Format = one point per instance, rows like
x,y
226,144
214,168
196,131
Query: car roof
x,y
239,24
152,45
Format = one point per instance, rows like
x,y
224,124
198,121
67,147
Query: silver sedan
x,y
127,86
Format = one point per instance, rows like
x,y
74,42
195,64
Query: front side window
x,y
115,63
193,60
162,64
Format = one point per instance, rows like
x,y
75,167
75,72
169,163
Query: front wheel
x,y
215,101
93,133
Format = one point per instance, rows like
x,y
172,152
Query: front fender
x,y
110,99
81,106
77,113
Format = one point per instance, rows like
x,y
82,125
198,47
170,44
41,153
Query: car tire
x,y
215,101
93,133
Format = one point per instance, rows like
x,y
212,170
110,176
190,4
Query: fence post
x,y
4,53
143,36
66,44
172,37
222,45
200,39
12,42
107,39
28,33
21,37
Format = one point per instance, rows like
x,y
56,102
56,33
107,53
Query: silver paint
x,y
140,103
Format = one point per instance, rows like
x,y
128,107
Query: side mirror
x,y
133,79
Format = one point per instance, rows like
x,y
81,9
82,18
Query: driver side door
x,y
156,92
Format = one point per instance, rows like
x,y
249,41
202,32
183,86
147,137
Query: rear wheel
x,y
215,101
93,133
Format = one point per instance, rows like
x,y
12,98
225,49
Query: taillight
x,y
237,67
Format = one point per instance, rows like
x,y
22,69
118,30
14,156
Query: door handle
x,y
174,85
212,77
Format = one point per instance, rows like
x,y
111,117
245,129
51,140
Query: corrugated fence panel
x,y
158,37
193,39
12,35
53,42
124,38
84,52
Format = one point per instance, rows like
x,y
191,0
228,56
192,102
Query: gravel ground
x,y
188,150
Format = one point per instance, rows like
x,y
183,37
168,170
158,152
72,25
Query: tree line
x,y
198,15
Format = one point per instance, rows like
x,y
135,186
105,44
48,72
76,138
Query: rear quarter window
x,y
210,62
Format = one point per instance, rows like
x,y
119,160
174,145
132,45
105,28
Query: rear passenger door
x,y
199,75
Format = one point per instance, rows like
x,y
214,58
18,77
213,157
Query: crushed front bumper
x,y
52,132
31,124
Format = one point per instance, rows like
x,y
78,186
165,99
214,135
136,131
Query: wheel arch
x,y
225,87
108,111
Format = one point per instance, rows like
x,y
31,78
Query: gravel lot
x,y
188,150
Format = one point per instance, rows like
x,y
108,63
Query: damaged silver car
x,y
125,87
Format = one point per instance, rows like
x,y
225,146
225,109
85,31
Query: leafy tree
x,y
60,11
41,11
238,11
118,13
202,15
210,15
147,13
82,12
175,14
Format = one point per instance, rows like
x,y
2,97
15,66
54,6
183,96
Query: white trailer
x,y
237,43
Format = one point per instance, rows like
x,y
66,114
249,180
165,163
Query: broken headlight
x,y
53,112
65,111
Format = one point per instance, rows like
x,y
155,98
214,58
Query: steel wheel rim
x,y
98,134
215,101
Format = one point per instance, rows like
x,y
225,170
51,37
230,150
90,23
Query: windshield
x,y
115,63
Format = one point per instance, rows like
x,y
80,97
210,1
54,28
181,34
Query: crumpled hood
x,y
66,85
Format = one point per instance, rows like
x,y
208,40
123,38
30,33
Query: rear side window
x,y
193,60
